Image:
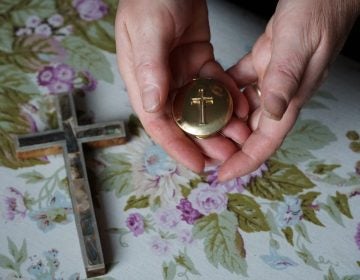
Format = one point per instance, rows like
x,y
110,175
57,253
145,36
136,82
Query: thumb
x,y
150,44
283,75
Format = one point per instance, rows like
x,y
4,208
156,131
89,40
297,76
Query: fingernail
x,y
275,107
151,98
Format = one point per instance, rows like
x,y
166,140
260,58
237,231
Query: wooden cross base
x,y
68,139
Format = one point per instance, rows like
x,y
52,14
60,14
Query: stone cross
x,y
202,101
68,139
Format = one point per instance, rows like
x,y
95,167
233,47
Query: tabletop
x,y
296,217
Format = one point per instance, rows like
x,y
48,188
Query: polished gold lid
x,y
202,107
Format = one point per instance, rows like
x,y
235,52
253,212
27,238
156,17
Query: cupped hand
x,y
288,62
161,46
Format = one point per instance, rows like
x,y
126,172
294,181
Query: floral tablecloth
x,y
296,217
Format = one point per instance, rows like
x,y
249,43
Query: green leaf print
x,y
280,179
137,202
305,136
331,208
293,155
248,212
311,134
219,234
307,257
352,135
289,234
7,5
308,208
98,33
31,53
6,35
184,261
83,56
342,203
323,172
11,120
117,175
332,275
325,168
23,9
355,146
300,228
8,156
7,263
13,79
169,270
19,256
32,177
272,223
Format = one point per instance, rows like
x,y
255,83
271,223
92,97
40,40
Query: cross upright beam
x,y
68,139
202,101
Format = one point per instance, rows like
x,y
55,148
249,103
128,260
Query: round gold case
x,y
202,107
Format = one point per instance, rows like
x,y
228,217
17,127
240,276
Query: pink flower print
x,y
357,236
46,76
235,185
185,236
56,20
43,30
167,218
257,173
160,246
208,200
14,202
189,214
23,32
32,21
64,73
60,87
90,10
135,223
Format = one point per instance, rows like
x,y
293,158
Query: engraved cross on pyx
x,y
202,101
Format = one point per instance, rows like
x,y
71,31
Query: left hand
x,y
288,62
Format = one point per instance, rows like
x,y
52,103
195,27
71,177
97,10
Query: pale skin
x,y
163,45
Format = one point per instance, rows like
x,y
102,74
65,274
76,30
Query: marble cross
x,y
68,139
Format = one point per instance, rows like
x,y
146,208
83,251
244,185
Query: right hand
x,y
161,47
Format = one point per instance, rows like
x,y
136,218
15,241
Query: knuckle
x,y
290,71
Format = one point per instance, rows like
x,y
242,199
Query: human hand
x,y
160,47
288,62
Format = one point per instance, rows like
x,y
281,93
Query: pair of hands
x,y
163,45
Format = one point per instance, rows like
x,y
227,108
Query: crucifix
x,y
68,139
202,101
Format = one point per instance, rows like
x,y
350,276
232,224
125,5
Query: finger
x,y
150,41
243,72
168,135
260,145
236,130
283,76
253,97
217,147
186,60
254,119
